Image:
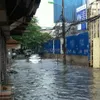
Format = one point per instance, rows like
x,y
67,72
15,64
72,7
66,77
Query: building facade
x,y
70,14
14,18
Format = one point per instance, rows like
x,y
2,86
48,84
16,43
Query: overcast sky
x,y
45,14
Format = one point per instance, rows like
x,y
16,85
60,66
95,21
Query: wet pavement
x,y
48,80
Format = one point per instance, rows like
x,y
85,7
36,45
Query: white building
x,y
91,1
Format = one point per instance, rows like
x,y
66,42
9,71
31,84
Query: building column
x,y
0,57
3,59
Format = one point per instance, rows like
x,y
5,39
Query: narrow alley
x,y
49,80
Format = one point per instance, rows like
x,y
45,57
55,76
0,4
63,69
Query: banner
x,y
78,44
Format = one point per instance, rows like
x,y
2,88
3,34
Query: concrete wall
x,y
77,60
80,60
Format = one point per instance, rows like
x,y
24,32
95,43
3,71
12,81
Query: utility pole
x,y
63,31
63,34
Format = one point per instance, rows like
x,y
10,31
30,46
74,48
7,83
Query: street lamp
x,y
51,2
63,31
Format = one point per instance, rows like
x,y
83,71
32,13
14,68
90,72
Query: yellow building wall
x,y
94,33
96,52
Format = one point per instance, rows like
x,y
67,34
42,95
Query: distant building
x,y
70,9
49,31
46,30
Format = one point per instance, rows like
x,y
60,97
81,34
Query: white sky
x,y
45,14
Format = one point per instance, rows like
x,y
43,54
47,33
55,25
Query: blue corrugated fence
x,y
75,45
57,46
78,44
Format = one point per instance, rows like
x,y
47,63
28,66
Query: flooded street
x,y
48,80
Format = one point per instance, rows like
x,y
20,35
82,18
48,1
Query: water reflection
x,y
73,83
34,58
51,81
95,89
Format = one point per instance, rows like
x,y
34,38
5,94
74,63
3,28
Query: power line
x,y
86,20
82,21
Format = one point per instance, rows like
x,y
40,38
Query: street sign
x,y
81,13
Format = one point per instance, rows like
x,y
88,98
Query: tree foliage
x,y
33,39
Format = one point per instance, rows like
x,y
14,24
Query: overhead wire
x,y
86,20
79,22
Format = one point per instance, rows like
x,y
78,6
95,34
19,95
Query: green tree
x,y
33,39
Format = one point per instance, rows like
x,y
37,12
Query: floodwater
x,y
48,80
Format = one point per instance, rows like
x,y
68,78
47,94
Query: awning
x,y
12,44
